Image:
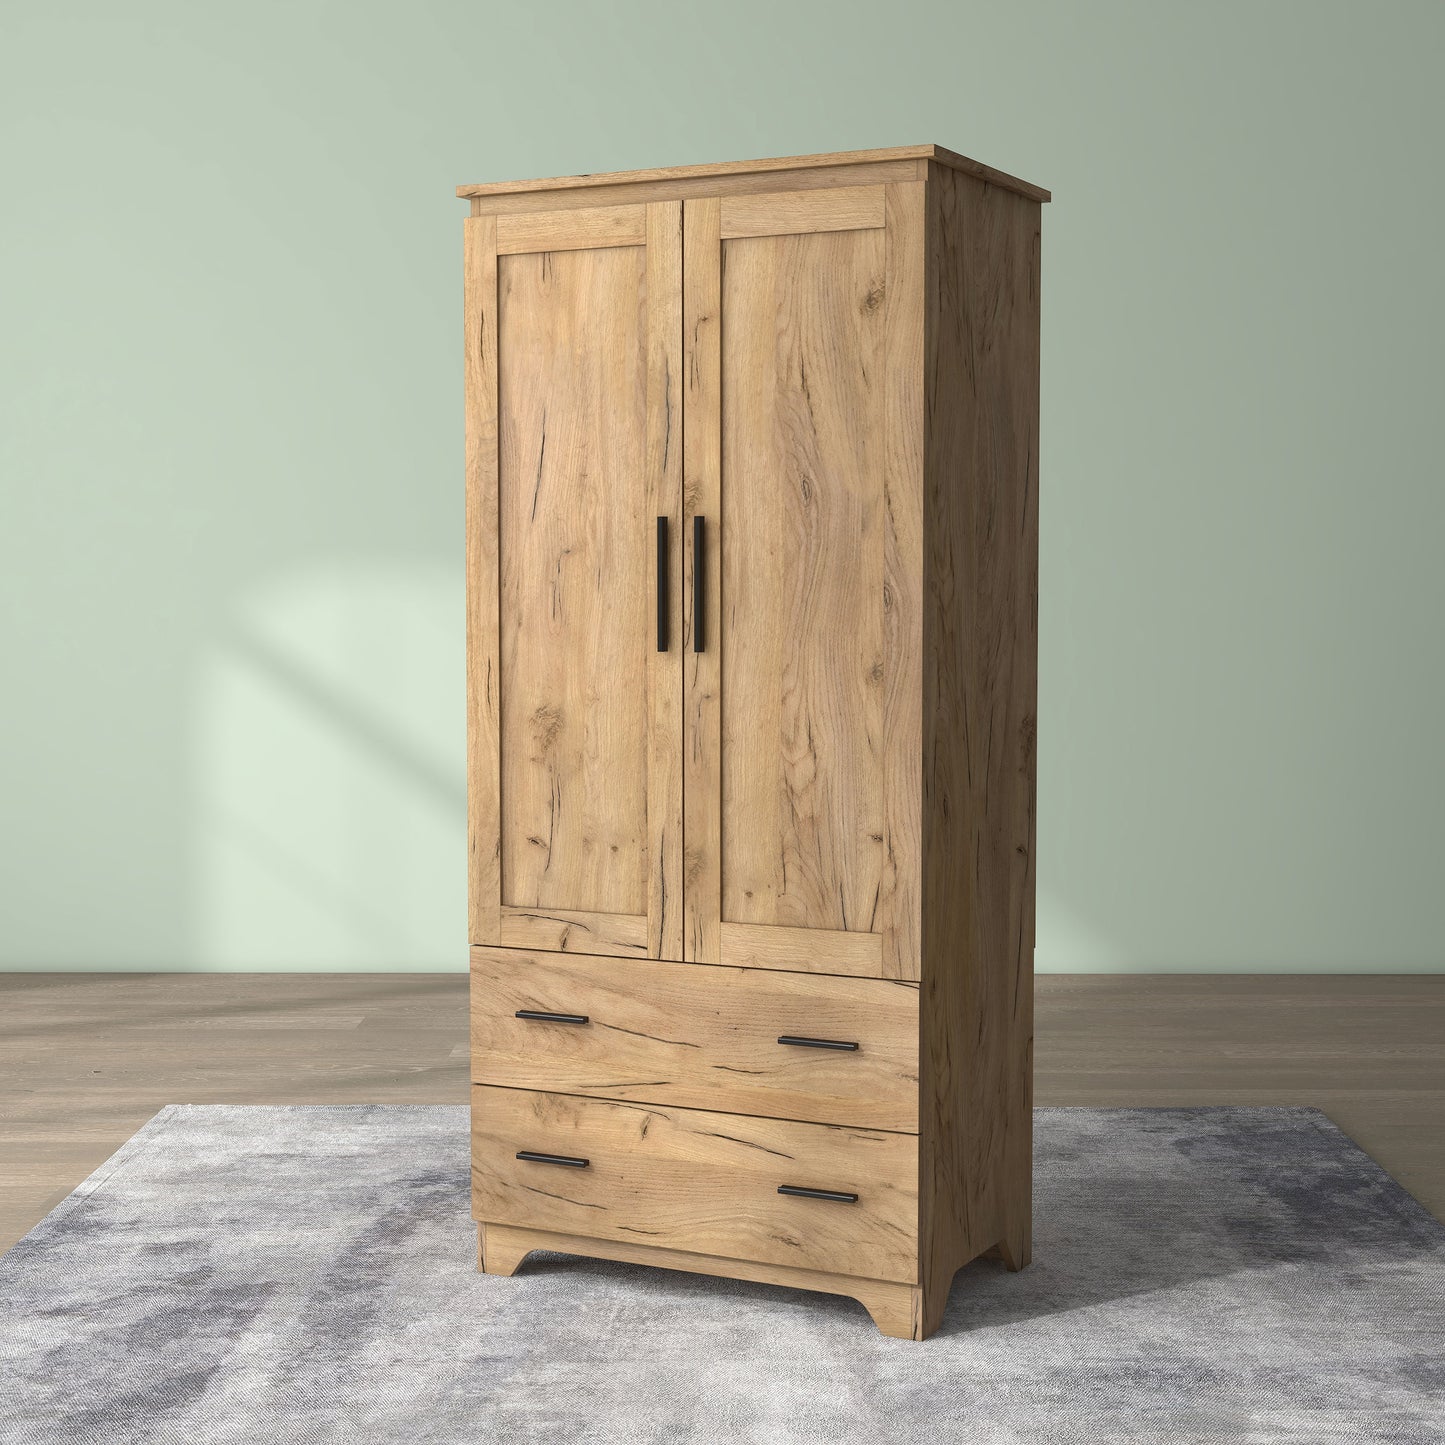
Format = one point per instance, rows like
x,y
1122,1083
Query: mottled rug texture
x,y
308,1274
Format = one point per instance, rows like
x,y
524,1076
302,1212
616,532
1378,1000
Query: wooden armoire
x,y
752,560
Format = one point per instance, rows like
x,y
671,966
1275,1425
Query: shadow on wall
x,y
328,773
328,769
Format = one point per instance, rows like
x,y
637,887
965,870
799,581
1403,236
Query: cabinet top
x,y
921,153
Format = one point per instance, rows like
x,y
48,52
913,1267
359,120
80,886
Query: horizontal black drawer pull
x,y
836,1195
546,1018
566,1159
798,1042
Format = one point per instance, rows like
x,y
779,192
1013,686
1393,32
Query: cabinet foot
x,y
1016,1250
500,1251
899,1310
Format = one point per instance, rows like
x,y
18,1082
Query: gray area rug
x,y
308,1275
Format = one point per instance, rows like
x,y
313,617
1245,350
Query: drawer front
x,y
698,1181
698,1036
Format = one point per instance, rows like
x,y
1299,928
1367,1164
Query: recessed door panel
x,y
802,580
574,542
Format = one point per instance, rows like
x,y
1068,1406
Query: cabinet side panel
x,y
899,902
479,259
979,709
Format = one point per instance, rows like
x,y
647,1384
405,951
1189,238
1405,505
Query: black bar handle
x,y
799,1042
546,1018
564,1159
699,582
663,590
836,1195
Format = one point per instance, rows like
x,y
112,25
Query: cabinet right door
x,y
803,430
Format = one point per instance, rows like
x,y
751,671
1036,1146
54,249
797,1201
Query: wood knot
x,y
546,724
692,862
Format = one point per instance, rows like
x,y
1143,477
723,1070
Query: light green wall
x,y
230,447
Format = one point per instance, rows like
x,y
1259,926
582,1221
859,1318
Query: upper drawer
x,y
699,1037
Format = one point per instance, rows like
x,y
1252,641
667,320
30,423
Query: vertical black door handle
x,y
663,590
699,583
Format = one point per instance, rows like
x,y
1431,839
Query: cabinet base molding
x,y
900,1311
897,1309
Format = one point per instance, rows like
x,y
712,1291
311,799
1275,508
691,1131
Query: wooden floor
x,y
86,1059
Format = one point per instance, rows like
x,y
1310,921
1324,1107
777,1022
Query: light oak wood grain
x,y
573,931
702,496
576,555
664,668
484,786
801,628
900,894
699,1037
572,230
894,1307
574,435
979,718
858,396
816,389
720,171
698,1181
810,950
782,213
704,187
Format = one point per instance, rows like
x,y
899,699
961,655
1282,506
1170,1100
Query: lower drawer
x,y
692,1180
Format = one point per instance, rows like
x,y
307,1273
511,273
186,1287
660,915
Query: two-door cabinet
x,y
752,561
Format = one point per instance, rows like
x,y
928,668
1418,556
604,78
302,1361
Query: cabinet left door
x,y
574,665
